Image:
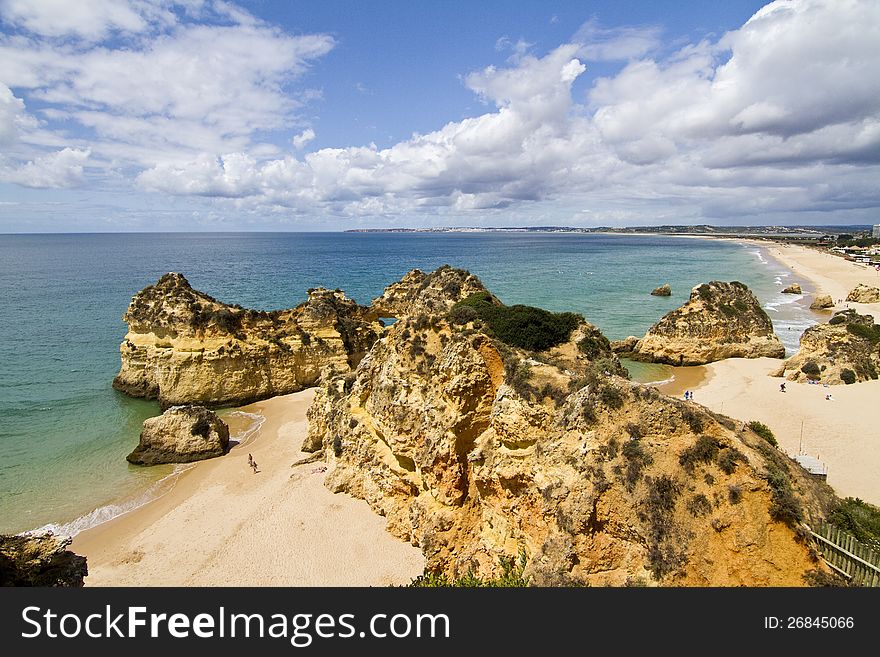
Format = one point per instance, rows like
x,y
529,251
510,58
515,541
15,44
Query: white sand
x,y
844,433
223,525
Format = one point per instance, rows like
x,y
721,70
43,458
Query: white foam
x,y
110,511
158,489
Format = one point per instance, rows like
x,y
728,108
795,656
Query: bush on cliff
x,y
526,327
764,431
512,569
859,518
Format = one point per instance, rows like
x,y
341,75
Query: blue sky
x,y
271,115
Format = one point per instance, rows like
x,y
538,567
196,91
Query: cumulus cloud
x,y
13,117
200,77
63,168
299,141
779,116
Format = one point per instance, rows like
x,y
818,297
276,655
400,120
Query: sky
x,y
178,115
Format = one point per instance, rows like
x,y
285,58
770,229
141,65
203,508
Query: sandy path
x,y
223,525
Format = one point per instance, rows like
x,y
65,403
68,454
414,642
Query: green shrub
x,y
593,346
734,494
526,327
704,450
637,459
764,431
728,458
869,332
692,418
611,396
848,376
859,518
784,506
837,319
462,314
699,505
512,569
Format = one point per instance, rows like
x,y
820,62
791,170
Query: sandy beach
x,y
841,432
223,525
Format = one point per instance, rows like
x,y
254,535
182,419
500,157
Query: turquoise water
x,y
64,432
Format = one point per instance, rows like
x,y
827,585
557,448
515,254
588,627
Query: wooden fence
x,y
846,555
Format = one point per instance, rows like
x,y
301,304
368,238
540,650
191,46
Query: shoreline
x,y
214,526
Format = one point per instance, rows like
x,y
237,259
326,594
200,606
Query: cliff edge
x,y
185,347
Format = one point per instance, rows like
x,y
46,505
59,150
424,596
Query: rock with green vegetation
x,y
420,293
40,560
862,293
720,320
846,350
477,450
185,347
182,434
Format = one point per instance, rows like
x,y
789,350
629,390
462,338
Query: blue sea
x,y
64,432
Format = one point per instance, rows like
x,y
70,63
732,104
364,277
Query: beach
x,y
841,432
223,525
220,524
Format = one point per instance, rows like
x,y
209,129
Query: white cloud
x,y
63,168
779,116
617,44
299,141
86,19
13,117
200,77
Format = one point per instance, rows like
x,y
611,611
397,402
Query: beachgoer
x,y
254,466
250,461
782,387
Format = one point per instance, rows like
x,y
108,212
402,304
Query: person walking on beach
x,y
782,387
250,461
254,466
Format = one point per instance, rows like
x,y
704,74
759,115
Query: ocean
x,y
64,432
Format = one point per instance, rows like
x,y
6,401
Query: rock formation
x,y
845,350
180,435
794,288
420,293
40,560
721,320
625,346
822,302
474,450
662,291
185,347
862,293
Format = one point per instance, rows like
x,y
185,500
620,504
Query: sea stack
x,y
185,347
845,350
662,291
822,302
720,320
862,293
475,448
794,288
180,435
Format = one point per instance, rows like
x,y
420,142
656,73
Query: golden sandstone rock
x,y
185,347
720,320
474,449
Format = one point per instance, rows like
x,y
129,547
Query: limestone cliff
x,y
473,449
720,320
185,347
182,434
419,293
845,350
40,560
